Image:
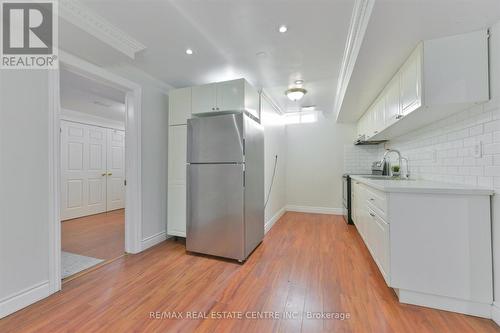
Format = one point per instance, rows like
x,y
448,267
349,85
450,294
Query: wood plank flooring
x,y
307,262
99,236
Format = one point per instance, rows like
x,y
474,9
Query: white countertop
x,y
422,186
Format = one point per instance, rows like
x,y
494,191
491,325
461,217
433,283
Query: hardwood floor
x,y
307,263
100,236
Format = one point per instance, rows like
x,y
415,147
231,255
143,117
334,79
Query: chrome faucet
x,y
400,159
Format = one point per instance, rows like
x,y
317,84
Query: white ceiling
x,y
226,36
395,28
94,98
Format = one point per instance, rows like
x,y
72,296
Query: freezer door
x,y
215,139
215,206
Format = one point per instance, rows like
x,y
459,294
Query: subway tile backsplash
x,y
447,150
359,159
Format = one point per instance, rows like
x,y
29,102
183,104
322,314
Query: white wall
x,y
444,150
154,127
315,164
275,144
24,187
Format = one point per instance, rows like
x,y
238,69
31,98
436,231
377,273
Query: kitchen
x,y
330,166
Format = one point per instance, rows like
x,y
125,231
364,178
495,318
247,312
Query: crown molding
x,y
77,14
357,28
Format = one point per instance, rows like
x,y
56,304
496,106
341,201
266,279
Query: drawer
x,y
378,200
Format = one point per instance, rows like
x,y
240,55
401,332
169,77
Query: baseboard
x,y
269,224
153,240
315,210
22,299
477,309
495,312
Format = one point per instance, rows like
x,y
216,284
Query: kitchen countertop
x,y
422,186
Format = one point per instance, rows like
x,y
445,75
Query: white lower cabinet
x,y
432,247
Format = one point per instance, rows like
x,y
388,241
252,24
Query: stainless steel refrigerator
x,y
225,185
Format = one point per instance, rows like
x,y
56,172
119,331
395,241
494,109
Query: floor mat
x,y
74,263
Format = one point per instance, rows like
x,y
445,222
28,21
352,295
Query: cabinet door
x,y
378,116
411,82
231,95
177,151
381,245
179,106
392,102
176,215
204,98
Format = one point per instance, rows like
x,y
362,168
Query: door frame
x,y
133,166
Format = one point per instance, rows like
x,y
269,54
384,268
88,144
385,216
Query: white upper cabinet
x,y
392,102
231,95
234,95
440,77
411,82
204,98
179,106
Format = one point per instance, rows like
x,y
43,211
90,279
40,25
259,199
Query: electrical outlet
x,y
434,156
478,150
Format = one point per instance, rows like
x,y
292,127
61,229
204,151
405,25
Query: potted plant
x,y
395,170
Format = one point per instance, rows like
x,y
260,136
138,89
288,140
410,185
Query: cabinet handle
x,y
399,116
217,109
375,132
372,215
103,174
110,174
371,199
213,109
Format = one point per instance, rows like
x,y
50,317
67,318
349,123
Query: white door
x,y
83,170
115,169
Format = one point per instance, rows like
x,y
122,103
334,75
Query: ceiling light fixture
x,y
295,94
283,29
299,82
189,51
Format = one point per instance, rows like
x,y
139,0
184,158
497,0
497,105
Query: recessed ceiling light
x,y
299,82
295,94
283,29
189,51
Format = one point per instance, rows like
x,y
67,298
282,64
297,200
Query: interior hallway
x,y
307,262
99,236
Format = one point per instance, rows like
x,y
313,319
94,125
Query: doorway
x,y
132,215
92,173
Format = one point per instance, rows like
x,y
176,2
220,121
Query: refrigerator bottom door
x,y
215,208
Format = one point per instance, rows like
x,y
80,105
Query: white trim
x,y
495,312
24,298
274,105
79,15
270,223
153,240
314,210
88,119
445,303
54,182
133,192
357,28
